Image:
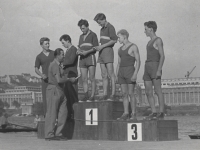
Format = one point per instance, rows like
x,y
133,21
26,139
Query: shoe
x,y
62,138
160,116
152,116
103,98
133,117
91,99
85,98
54,138
124,117
111,98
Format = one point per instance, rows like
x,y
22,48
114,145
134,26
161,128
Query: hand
x,y
158,74
134,78
84,53
44,76
73,79
99,48
79,51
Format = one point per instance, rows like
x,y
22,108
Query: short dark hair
x,y
83,22
65,37
99,16
123,32
58,52
44,39
151,24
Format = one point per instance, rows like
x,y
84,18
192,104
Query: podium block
x,y
107,110
155,130
97,121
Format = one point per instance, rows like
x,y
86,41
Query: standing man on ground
x,y
56,100
70,68
87,41
108,38
153,70
43,60
127,73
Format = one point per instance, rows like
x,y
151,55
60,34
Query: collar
x,y
69,47
106,25
87,33
55,60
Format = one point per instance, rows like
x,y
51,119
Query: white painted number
x,y
91,116
134,131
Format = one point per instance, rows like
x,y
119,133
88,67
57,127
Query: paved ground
x,y
29,141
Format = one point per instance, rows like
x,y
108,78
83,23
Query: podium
x,y
97,121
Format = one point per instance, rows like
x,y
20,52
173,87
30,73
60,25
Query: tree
x,y
16,104
1,107
38,108
6,104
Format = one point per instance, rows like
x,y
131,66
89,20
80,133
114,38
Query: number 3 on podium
x,y
134,131
91,116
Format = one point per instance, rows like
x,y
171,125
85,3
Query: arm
x,y
37,67
113,37
60,78
117,69
94,43
159,45
70,57
135,51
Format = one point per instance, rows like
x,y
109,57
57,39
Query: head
x,y
100,18
37,116
44,43
65,40
59,54
122,35
84,26
150,27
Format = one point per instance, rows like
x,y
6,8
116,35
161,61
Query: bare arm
x,y
159,45
135,52
37,71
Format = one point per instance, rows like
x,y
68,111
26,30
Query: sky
x,y
24,22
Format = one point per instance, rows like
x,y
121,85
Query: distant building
x,y
22,92
181,91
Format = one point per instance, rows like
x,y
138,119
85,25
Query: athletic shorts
x,y
87,61
125,74
106,56
150,70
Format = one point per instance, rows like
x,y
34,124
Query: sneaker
x,y
111,98
160,116
152,116
91,99
103,98
84,99
133,117
124,117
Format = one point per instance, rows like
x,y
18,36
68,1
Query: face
x,y
84,29
65,43
61,56
120,38
101,22
45,45
147,30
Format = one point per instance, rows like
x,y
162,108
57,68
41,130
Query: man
x,y
108,38
153,70
56,100
43,60
87,41
127,73
70,68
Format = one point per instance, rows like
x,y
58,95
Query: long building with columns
x,y
180,91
